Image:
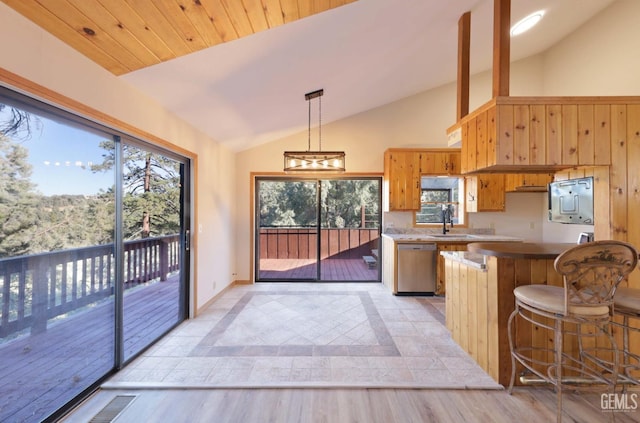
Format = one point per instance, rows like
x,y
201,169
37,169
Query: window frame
x,y
460,205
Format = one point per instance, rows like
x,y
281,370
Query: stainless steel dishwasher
x,y
416,268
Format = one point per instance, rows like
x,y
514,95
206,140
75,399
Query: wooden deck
x,y
349,270
42,372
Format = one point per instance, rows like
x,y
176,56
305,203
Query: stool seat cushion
x,y
627,300
551,299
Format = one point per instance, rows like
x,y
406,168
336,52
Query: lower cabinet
x,y
441,285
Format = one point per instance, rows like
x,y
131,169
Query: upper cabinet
x,y
440,162
542,134
402,174
484,193
402,170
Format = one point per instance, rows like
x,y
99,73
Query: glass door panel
x,y
152,231
350,229
322,230
57,268
287,229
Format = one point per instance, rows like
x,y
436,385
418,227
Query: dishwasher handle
x,y
417,247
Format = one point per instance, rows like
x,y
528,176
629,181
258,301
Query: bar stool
x,y
626,303
591,273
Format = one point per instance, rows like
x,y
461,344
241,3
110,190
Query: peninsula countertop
x,y
450,237
519,250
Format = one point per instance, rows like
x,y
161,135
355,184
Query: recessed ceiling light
x,y
527,23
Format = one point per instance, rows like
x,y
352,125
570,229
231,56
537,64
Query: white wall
x,y
34,54
600,58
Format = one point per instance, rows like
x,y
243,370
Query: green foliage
x,y
18,205
73,221
343,201
33,223
151,184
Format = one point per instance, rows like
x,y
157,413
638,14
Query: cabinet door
x,y
491,193
404,180
441,285
485,193
471,193
453,162
440,162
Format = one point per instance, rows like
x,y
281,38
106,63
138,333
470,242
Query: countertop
x,y
526,250
450,237
470,259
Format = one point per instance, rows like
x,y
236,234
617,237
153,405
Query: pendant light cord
x,y
320,123
309,133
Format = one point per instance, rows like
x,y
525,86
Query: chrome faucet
x,y
447,214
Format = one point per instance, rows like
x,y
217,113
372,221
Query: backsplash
x,y
525,217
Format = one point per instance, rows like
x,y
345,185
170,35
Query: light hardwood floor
x,y
350,405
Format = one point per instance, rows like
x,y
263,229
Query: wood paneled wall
x,y
617,190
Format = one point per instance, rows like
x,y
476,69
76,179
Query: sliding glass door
x,y
317,229
151,227
92,254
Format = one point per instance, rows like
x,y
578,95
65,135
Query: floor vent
x,y
111,410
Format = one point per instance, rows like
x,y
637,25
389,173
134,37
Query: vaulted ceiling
x,y
238,69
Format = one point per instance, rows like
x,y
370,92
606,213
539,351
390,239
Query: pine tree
x,y
151,184
18,203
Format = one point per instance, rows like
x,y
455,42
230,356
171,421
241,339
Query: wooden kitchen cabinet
x,y
484,193
402,174
403,168
441,285
528,182
440,162
541,134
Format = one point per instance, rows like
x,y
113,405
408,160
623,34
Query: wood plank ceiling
x,y
126,35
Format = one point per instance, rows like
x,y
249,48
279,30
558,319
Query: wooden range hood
x,y
532,134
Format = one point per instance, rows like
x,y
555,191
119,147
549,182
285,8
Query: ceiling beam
x,y
501,47
464,50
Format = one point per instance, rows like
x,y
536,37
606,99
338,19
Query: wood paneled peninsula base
x,y
479,298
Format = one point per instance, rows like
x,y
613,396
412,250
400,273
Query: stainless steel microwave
x,y
571,201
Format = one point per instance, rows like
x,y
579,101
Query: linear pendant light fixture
x,y
314,161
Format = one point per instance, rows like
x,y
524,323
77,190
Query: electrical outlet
x,y
532,225
492,225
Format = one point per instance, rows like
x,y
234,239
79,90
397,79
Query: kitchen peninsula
x,y
480,298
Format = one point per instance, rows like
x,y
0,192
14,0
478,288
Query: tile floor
x,y
309,335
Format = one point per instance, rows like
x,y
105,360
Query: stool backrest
x,y
592,271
